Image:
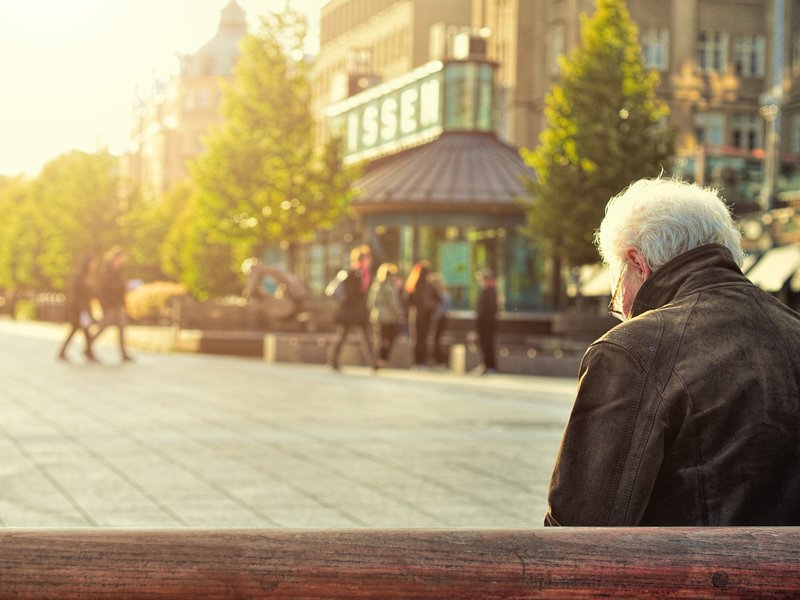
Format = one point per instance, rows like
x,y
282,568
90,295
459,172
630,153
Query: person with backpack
x,y
386,308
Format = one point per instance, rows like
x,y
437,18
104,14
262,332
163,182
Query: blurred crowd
x,y
382,305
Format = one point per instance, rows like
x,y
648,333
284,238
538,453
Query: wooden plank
x,y
387,564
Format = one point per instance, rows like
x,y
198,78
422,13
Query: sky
x,y
69,69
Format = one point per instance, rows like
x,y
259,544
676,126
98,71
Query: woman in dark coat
x,y
351,288
79,298
386,308
425,299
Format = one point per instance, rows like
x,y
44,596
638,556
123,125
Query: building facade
x,y
727,69
723,65
171,120
730,74
364,42
407,85
715,59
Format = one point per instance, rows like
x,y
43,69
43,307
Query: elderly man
x,y
687,412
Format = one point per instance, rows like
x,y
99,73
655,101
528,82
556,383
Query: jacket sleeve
x,y
612,447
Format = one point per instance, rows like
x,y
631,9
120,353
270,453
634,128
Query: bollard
x,y
270,348
458,358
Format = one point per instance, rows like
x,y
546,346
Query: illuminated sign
x,y
392,115
414,109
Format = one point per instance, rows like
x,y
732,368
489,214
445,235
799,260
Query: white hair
x,y
663,218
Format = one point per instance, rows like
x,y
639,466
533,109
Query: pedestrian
x,y
687,412
350,288
440,318
487,320
112,286
386,308
79,310
424,300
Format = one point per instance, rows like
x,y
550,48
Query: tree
x,y
49,223
605,129
76,195
263,178
190,255
146,224
20,237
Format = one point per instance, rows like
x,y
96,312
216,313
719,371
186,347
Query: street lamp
x,y
770,109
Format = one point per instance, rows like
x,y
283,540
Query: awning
x,y
775,267
458,171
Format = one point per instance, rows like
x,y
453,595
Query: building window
x,y
203,99
748,55
208,65
709,128
796,54
795,133
556,46
360,61
748,131
655,48
712,51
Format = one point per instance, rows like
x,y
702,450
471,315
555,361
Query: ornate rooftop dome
x,y
217,57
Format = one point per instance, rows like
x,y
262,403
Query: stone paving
x,y
188,440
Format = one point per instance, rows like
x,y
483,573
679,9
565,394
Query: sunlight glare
x,y
72,68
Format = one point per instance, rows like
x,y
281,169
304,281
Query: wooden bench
x,y
387,564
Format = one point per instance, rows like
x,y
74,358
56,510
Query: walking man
x,y
112,285
79,309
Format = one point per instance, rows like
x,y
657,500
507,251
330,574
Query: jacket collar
x,y
687,273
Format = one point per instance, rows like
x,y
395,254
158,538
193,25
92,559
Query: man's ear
x,y
637,259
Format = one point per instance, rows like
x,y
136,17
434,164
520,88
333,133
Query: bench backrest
x,y
386,564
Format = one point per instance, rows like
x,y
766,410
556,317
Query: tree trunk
x,y
556,281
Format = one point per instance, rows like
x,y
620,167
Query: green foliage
x,y
262,179
25,310
77,194
605,129
51,222
190,255
146,224
14,203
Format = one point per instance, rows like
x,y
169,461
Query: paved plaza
x,y
189,440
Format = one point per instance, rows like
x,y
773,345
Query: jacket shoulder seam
x,y
634,447
698,453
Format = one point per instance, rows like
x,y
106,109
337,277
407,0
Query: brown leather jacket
x,y
689,412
